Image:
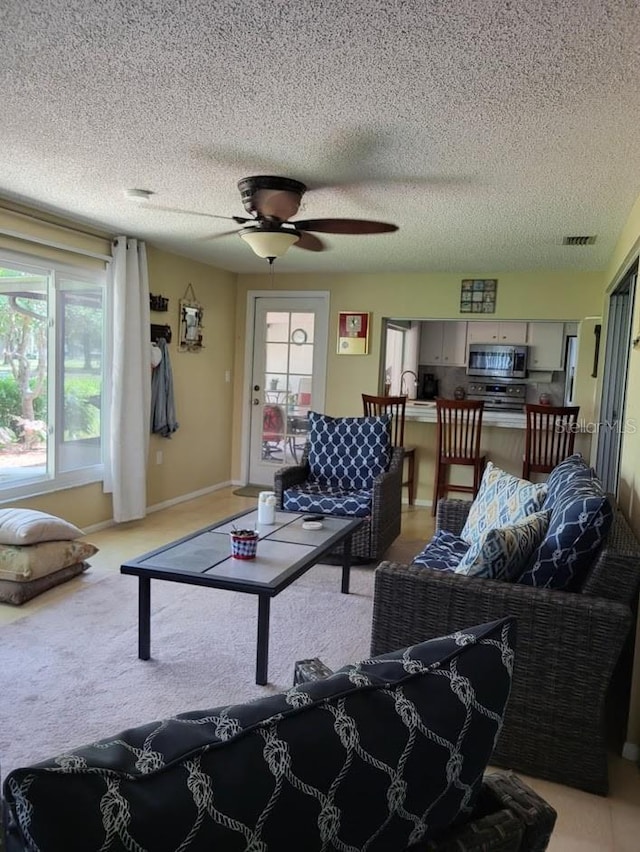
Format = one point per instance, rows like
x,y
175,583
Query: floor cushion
x,y
17,592
37,560
29,526
380,755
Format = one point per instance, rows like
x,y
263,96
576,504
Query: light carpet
x,y
69,673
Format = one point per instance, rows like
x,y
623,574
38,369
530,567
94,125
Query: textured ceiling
x,y
486,130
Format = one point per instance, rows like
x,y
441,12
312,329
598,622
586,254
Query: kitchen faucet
x,y
402,382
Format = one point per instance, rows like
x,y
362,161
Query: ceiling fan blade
x,y
344,226
310,242
239,219
216,236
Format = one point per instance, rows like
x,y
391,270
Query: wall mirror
x,y
190,325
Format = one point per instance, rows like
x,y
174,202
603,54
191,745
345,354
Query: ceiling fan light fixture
x,y
269,243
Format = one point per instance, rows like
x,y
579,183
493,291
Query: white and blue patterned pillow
x,y
572,469
581,517
383,754
348,452
502,499
503,553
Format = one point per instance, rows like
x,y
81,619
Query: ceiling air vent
x,y
578,241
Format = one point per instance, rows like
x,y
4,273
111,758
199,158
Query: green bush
x,y
11,403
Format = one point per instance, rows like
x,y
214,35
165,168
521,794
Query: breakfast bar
x,y
502,442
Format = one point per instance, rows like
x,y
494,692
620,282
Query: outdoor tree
x,y
23,329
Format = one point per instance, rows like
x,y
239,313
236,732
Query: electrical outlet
x,y
227,375
159,457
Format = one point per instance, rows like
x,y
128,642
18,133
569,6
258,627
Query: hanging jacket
x,y
163,413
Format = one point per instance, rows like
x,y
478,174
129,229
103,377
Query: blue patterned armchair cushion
x,y
503,553
502,500
581,517
328,500
443,552
378,756
348,452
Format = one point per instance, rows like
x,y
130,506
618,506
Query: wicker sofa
x,y
569,644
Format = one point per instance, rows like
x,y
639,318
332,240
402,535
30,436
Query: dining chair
x,y
549,438
273,432
374,406
459,424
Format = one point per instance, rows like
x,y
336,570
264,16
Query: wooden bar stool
x,y
550,436
458,442
374,406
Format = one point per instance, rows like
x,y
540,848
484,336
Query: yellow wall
x,y
197,456
568,296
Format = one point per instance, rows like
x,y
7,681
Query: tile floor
x,y
586,823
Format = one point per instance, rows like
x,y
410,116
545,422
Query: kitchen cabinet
x,y
546,345
496,332
443,343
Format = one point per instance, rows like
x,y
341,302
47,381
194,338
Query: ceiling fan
x,y
271,202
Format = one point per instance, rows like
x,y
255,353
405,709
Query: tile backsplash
x,y
449,378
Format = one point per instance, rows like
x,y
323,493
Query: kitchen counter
x,y
425,412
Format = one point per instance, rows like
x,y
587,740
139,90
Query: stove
x,y
505,396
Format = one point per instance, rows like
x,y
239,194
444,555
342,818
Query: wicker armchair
x,y
568,647
356,472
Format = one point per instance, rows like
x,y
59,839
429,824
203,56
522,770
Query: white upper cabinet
x,y
443,343
496,332
546,345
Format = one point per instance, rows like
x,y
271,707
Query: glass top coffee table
x,y
285,552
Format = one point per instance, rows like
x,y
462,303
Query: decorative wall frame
x,y
478,295
191,326
353,332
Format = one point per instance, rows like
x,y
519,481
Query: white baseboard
x,y
164,505
631,751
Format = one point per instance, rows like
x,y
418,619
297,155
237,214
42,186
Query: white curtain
x,y
126,474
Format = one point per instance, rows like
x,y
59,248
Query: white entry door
x,y
287,378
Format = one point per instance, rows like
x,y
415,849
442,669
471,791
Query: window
x,y
52,364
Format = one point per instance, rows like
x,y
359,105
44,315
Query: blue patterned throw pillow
x,y
348,453
381,755
502,499
581,517
572,469
503,553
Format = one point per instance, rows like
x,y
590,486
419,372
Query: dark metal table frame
x,y
264,591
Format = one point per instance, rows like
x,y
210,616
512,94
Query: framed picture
x,y
353,333
478,295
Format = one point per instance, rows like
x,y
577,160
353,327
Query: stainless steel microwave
x,y
499,360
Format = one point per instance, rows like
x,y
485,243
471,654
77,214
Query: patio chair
x,y
349,468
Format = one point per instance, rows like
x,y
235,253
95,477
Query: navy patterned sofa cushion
x,y
348,452
328,500
378,756
581,516
443,552
572,468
